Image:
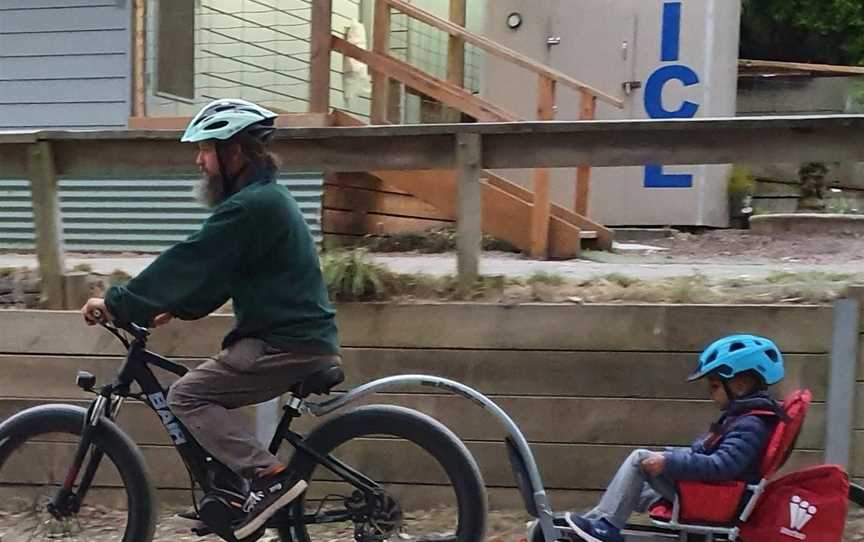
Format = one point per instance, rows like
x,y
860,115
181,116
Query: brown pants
x,y
246,373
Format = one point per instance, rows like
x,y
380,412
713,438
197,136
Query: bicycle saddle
x,y
319,382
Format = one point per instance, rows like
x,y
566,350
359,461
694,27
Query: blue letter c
x,y
654,92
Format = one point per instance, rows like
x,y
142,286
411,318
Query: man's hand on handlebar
x,y
95,312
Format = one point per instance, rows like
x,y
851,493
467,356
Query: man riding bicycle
x,y
256,250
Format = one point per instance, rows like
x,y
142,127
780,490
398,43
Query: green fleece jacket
x,y
255,249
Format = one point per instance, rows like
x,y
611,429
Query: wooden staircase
x,y
507,207
392,201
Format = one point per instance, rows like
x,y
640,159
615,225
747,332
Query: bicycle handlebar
x,y
140,333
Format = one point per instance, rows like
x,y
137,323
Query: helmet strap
x,y
228,181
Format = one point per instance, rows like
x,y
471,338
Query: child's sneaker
x,y
594,530
268,494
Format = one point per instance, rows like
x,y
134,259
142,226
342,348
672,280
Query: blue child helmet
x,y
737,354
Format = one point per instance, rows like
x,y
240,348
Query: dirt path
x,y
502,527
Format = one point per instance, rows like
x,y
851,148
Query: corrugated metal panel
x,y
141,215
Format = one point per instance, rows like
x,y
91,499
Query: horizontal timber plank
x,y
373,201
651,375
633,422
561,466
359,223
673,328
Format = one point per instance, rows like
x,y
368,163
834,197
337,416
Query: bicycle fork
x,y
67,501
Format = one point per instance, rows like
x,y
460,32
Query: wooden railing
x,y
468,148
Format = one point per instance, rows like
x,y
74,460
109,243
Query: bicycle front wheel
x,y
37,449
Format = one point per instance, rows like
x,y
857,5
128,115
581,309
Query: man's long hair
x,y
260,157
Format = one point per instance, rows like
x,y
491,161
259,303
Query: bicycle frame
x,y
203,468
136,369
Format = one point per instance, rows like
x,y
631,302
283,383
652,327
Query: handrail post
x,y
587,111
456,55
319,60
380,46
541,208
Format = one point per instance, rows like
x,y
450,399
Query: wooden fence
x,y
586,384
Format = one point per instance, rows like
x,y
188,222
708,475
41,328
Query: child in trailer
x,y
738,370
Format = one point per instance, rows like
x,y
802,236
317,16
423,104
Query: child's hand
x,y
654,464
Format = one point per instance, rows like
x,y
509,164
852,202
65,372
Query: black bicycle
x,y
64,468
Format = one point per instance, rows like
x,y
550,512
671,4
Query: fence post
x,y
469,229
842,379
47,223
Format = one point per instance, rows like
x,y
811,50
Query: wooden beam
x,y
801,66
139,52
415,78
469,232
540,208
319,65
47,223
501,51
587,110
505,145
380,46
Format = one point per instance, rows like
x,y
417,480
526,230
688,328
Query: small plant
x,y
83,268
544,277
813,185
351,276
118,277
695,288
621,280
741,183
433,241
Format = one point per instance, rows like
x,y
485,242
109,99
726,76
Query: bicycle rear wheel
x,y
431,487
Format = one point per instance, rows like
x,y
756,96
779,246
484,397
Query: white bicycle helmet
x,y
223,119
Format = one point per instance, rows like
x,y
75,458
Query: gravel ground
x,y
503,527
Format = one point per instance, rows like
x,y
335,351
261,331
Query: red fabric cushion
x,y
809,504
662,511
715,503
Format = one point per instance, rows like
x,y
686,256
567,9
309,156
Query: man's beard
x,y
210,191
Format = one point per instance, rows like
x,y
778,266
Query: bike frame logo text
x,y
168,420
